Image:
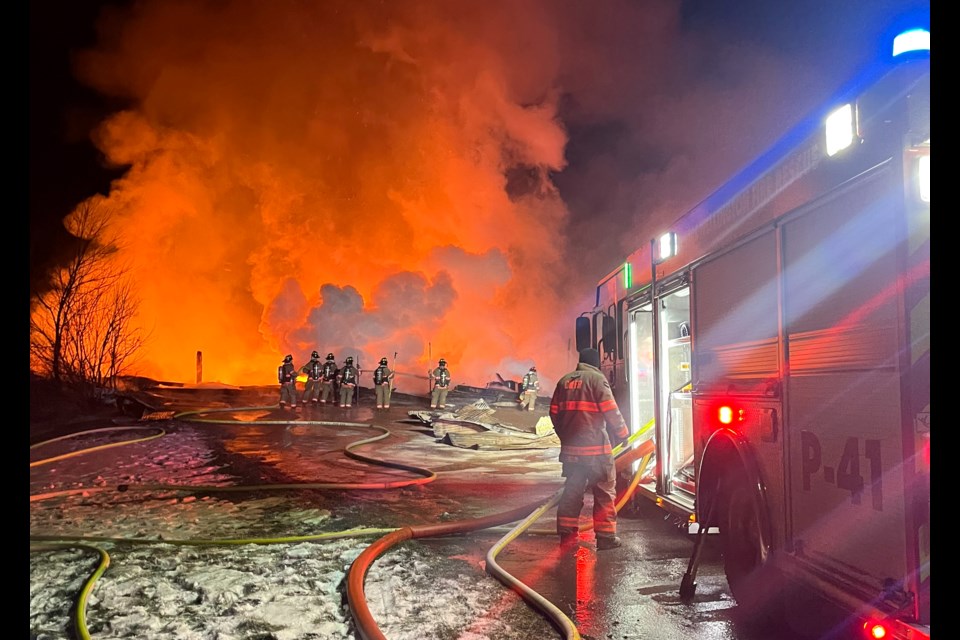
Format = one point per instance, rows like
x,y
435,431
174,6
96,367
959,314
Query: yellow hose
x,y
80,622
618,450
565,624
427,475
561,620
567,627
193,542
91,449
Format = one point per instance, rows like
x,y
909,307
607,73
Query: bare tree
x,y
81,329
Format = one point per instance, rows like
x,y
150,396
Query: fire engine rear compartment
x,y
806,327
799,325
818,436
777,350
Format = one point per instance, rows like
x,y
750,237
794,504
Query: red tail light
x,y
875,630
729,414
725,414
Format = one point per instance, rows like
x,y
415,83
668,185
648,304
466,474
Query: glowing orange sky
x,y
332,176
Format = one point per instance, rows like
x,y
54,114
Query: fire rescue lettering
x,y
574,383
846,475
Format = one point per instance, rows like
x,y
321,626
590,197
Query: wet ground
x,y
236,438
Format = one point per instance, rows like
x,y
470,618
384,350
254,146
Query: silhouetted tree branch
x,y
81,329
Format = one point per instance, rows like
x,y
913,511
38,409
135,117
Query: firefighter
x,y
314,371
383,383
328,376
287,377
529,388
347,378
439,385
587,420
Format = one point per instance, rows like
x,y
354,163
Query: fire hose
x,y
358,570
356,598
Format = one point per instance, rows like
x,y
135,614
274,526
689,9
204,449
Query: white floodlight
x,y
668,246
839,129
923,177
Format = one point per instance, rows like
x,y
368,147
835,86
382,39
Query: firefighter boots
x,y
608,542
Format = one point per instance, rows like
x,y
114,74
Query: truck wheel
x,y
752,580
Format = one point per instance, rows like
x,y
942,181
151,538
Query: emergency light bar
x,y
841,125
912,40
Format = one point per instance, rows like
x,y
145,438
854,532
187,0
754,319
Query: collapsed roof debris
x,y
480,426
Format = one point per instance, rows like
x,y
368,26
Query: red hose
x,y
366,625
356,599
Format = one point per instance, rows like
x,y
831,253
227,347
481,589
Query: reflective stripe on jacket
x,y
441,377
531,382
329,371
585,415
312,369
286,373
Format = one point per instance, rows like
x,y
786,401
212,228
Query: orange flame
x,y
321,181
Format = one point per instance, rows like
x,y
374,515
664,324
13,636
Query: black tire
x,y
753,582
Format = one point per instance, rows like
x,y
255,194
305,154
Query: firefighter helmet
x,y
315,355
349,359
330,356
443,362
288,358
534,369
383,361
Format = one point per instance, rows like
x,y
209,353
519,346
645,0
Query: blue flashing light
x,y
912,40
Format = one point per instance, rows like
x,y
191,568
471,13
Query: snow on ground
x,y
290,590
284,591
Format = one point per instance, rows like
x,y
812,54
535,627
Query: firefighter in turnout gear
x,y
439,385
383,383
529,388
328,376
314,371
588,422
347,377
287,377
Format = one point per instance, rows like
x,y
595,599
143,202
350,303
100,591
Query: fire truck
x,y
774,342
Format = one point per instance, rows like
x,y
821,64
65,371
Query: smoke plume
x,y
410,180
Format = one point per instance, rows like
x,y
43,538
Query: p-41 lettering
x,y
847,473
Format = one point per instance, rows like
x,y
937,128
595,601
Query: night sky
x,y
64,166
604,120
